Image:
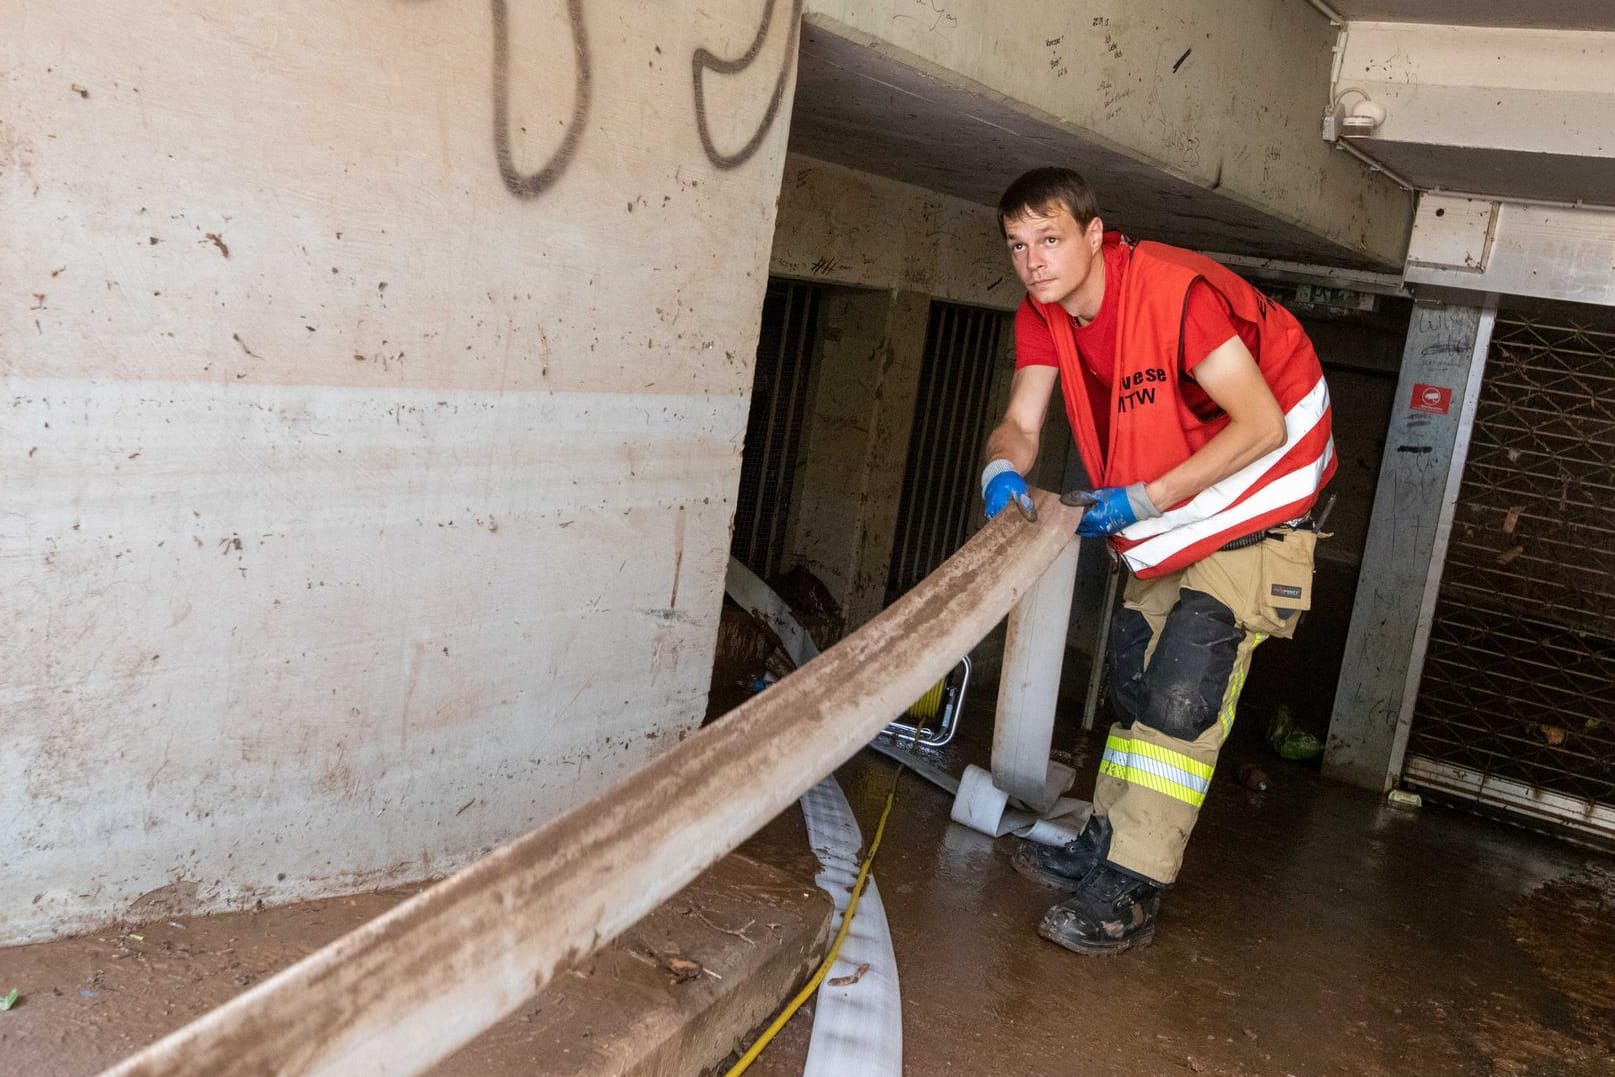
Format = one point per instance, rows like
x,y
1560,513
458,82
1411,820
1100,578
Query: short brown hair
x,y
1043,190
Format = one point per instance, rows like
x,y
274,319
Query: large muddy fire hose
x,y
857,1024
477,945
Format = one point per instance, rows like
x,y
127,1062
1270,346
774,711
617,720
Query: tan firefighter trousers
x,y
1180,650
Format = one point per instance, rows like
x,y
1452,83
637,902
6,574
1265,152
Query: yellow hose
x,y
812,985
928,704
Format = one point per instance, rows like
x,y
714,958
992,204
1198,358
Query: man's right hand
x,y
1001,484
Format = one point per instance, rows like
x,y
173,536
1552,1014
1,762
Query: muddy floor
x,y
1313,932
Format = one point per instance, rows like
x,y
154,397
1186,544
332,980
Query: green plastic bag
x,y
1290,741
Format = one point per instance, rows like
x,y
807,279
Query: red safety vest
x,y
1152,430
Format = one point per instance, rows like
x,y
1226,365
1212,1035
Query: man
x,y
1201,413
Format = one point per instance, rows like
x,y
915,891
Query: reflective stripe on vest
x,y
1230,508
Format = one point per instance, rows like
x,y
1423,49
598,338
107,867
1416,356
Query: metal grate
x,y
1519,679
774,425
944,450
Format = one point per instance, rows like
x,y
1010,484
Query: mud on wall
x,y
837,225
374,382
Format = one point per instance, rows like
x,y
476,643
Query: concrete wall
x,y
1360,360
372,421
855,443
896,247
840,226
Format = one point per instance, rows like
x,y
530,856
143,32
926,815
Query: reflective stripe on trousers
x,y
1164,770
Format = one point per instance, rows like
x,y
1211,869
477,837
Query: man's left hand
x,y
1115,508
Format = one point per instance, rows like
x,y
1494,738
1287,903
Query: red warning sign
x,y
1433,398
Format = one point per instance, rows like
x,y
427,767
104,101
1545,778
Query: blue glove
x,y
1000,484
1117,507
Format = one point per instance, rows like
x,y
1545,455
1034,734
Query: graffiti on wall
x,y
532,184
702,61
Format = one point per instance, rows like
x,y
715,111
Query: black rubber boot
x,y
1062,867
1111,911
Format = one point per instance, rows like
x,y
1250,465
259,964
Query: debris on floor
x,y
850,979
1289,740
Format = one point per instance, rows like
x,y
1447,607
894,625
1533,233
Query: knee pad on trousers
x,y
1188,674
1129,639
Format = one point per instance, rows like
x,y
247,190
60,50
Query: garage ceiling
x,y
858,108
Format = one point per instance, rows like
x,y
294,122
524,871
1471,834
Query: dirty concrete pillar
x,y
1425,450
364,507
855,444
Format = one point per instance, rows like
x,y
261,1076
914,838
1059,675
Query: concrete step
x,y
672,996
675,995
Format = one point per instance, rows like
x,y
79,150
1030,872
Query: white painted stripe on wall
x,y
348,636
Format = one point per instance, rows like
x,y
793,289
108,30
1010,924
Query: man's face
x,y
1055,258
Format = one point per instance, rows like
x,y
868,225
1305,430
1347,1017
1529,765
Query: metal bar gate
x,y
1517,704
774,426
950,422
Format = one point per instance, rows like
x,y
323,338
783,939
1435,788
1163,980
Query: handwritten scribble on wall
x,y
702,61
532,184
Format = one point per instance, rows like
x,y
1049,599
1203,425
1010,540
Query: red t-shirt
x,y
1208,324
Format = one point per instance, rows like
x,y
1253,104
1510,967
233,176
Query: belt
x,y
1303,523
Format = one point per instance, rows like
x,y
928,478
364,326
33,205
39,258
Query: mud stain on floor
x,y
1566,929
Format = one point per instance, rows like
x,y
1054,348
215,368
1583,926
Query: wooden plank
x,y
413,985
